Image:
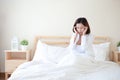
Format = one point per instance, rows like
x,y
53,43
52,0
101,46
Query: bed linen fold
x,y
73,67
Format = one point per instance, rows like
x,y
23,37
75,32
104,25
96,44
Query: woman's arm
x,y
86,41
73,40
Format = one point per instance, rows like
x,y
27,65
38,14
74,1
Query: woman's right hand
x,y
76,34
75,30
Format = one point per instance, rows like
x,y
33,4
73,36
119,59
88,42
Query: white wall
x,y
0,46
27,18
1,25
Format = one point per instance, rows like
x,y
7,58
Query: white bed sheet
x,y
77,68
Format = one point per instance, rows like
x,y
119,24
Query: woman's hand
x,y
75,30
76,34
85,30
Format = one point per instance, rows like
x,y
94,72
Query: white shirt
x,y
85,47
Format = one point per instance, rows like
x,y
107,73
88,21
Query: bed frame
x,y
64,41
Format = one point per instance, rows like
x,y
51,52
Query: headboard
x,y
63,41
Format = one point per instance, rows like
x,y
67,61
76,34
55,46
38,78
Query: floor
x,y
2,77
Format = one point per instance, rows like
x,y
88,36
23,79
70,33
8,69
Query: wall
x,y
0,48
1,57
27,18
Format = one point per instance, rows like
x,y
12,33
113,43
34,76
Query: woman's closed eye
x,y
80,27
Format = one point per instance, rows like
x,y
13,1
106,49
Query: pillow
x,y
49,54
55,53
41,49
101,51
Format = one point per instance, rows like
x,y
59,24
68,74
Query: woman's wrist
x,y
75,37
83,34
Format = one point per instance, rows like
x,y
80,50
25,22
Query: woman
x,y
81,40
80,46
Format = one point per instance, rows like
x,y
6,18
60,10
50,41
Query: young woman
x,y
81,40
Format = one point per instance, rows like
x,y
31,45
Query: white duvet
x,y
72,67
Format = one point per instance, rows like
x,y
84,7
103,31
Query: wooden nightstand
x,y
116,57
13,59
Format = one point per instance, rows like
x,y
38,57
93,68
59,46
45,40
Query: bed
x,y
50,61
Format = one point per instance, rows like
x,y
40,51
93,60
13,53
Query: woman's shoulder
x,y
90,36
87,35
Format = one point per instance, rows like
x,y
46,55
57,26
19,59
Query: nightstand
x,y
13,59
116,56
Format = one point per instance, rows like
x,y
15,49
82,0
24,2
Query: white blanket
x,y
72,67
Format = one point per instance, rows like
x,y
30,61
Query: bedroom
x,y
28,18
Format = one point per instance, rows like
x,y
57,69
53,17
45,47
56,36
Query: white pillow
x,y
55,53
101,51
48,53
41,50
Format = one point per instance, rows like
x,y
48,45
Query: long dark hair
x,y
83,21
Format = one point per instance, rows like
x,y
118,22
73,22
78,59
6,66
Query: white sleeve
x,y
83,41
86,41
90,39
89,49
72,42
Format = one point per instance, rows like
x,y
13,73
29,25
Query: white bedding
x,y
72,67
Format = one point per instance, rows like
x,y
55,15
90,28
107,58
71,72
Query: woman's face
x,y
80,28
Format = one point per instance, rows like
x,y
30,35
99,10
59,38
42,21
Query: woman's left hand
x,y
85,30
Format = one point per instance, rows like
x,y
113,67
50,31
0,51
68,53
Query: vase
x,y
23,47
14,43
119,49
